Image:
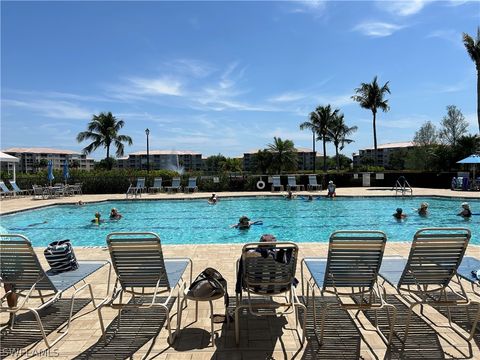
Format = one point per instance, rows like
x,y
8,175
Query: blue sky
x,y
226,77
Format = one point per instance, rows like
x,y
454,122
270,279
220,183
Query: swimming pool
x,y
195,221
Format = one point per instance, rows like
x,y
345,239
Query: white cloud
x,y
377,29
288,97
156,86
403,8
315,7
189,67
452,36
53,109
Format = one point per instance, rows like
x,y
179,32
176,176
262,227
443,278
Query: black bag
x,y
209,283
60,256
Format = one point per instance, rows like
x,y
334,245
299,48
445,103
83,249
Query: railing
x,y
402,186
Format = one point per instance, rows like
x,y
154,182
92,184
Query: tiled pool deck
x,y
142,335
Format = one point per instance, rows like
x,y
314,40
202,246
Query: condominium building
x,y
30,157
162,159
305,159
384,151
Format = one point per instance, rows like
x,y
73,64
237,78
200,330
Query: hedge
x,y
118,181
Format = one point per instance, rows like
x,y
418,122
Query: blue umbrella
x,y
50,171
66,174
472,159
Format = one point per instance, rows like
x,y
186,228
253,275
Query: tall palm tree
x,y
371,96
325,118
338,132
284,154
103,130
313,125
473,49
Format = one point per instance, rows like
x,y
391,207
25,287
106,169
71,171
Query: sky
x,y
226,77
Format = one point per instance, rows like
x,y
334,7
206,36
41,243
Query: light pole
x,y
147,132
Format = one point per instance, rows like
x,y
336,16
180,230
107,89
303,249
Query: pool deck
x,y
143,334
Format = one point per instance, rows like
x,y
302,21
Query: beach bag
x,y
60,256
209,283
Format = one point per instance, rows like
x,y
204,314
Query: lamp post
x,y
147,132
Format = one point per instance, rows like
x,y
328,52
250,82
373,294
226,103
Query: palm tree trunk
x,y
324,154
375,137
336,155
478,97
314,152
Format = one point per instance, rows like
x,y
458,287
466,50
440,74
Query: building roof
x,y
299,149
166,152
40,150
393,145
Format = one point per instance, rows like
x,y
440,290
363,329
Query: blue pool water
x,y
195,221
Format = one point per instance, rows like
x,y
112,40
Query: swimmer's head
x,y
243,219
97,215
399,210
465,205
424,205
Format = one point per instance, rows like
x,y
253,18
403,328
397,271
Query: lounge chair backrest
x,y
141,182
19,264
292,181
354,258
37,189
192,182
312,180
435,256
4,187
138,259
267,275
157,182
14,186
276,180
176,182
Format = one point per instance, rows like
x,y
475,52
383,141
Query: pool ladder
x,y
402,186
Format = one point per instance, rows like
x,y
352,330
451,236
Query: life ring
x,y
261,185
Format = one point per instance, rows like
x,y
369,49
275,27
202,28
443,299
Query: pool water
x,y
197,222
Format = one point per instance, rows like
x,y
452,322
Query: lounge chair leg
x,y
40,325
475,322
407,324
196,311
211,322
102,325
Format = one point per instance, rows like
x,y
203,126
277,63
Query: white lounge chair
x,y
143,271
19,267
276,184
175,185
5,190
157,185
312,183
138,189
350,269
292,184
192,185
431,267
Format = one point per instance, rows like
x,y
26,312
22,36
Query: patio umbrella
x,y
50,171
66,173
472,159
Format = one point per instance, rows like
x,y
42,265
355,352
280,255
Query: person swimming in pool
x,y
423,210
331,188
244,223
97,219
466,212
290,195
115,215
399,215
212,200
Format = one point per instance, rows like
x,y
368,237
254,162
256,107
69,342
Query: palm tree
x,y
371,96
312,125
325,119
473,49
103,130
338,132
284,154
